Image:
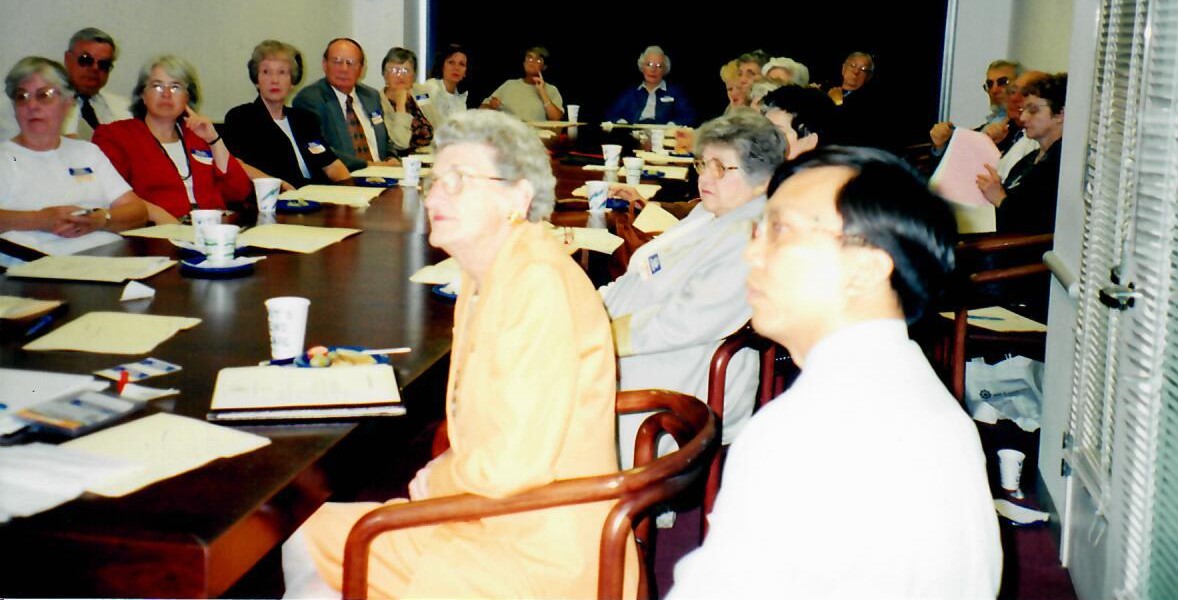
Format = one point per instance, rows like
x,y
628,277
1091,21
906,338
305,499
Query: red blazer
x,y
146,167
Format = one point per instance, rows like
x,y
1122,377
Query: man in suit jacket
x,y
343,63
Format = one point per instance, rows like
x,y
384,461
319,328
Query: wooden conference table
x,y
196,534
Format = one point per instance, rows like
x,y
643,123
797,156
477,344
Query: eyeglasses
x,y
860,68
777,231
1033,109
713,168
397,71
534,59
45,95
1011,90
652,65
160,87
1000,82
87,61
341,61
452,182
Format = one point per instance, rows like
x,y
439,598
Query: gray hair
x,y
761,89
177,68
274,49
759,144
50,70
799,73
869,58
1003,63
655,50
398,55
519,154
94,34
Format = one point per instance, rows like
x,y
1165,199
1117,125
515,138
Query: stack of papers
x,y
967,156
269,392
161,446
333,194
113,333
20,389
294,238
37,477
112,269
55,245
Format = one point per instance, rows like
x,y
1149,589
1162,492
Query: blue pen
x,y
986,318
39,325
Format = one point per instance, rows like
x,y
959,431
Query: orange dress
x,y
531,399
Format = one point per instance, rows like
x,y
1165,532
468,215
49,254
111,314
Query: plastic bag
x,y
1010,389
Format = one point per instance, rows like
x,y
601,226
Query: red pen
x,y
123,378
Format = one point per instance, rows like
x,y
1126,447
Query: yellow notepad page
x,y
113,333
164,445
996,318
385,172
334,194
646,190
654,219
171,231
14,307
294,238
113,269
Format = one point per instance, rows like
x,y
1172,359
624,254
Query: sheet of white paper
x,y
590,238
1020,514
164,445
112,269
21,388
441,273
294,238
113,333
654,219
136,291
171,231
37,477
966,157
143,393
334,194
54,245
15,307
286,387
646,190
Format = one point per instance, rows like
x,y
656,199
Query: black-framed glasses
x,y
453,181
87,61
45,95
1000,82
712,167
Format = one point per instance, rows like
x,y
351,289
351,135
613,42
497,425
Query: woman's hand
x,y
991,186
72,221
627,193
400,99
201,125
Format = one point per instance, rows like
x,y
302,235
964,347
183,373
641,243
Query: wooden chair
x,y
1001,262
773,381
650,482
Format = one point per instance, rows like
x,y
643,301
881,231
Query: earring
x,y
514,217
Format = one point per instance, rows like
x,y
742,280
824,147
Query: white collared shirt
x,y
363,115
108,107
651,99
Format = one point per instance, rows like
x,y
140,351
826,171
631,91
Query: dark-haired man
x,y
529,98
349,112
865,479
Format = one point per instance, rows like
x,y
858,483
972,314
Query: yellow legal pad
x,y
113,333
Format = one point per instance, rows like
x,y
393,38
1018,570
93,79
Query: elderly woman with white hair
x,y
172,156
683,292
653,101
50,183
784,71
530,398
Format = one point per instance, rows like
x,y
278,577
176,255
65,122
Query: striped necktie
x,y
359,142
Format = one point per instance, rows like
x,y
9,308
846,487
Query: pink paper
x,y
966,157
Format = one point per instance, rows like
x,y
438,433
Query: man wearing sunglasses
x,y
88,62
999,75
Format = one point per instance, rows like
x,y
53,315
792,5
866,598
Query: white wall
x,y
1040,30
217,36
982,35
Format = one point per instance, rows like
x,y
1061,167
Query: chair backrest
x,y
772,382
650,482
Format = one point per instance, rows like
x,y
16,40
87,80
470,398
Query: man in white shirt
x,y
88,62
865,479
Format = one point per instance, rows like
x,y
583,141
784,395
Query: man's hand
x,y
997,130
940,134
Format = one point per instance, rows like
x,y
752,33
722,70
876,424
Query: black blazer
x,y
252,135
1031,190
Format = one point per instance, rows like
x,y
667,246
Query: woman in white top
x,y
447,89
51,183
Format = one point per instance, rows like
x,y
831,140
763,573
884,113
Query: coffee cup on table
x,y
287,317
612,153
633,166
1010,470
266,190
598,194
201,218
220,242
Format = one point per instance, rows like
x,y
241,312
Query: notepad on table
x,y
654,219
170,231
663,159
996,318
112,269
15,307
113,333
333,194
293,238
55,245
385,172
270,392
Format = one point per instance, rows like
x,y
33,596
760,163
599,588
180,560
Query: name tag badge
x,y
653,266
203,157
422,99
376,118
316,148
82,174
667,99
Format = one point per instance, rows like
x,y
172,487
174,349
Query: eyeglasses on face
x,y
45,95
173,88
652,65
452,182
340,61
534,59
713,168
397,71
866,70
776,230
86,61
1000,82
1033,108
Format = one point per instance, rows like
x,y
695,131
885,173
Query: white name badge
x,y
422,99
316,148
377,119
203,157
667,99
652,267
